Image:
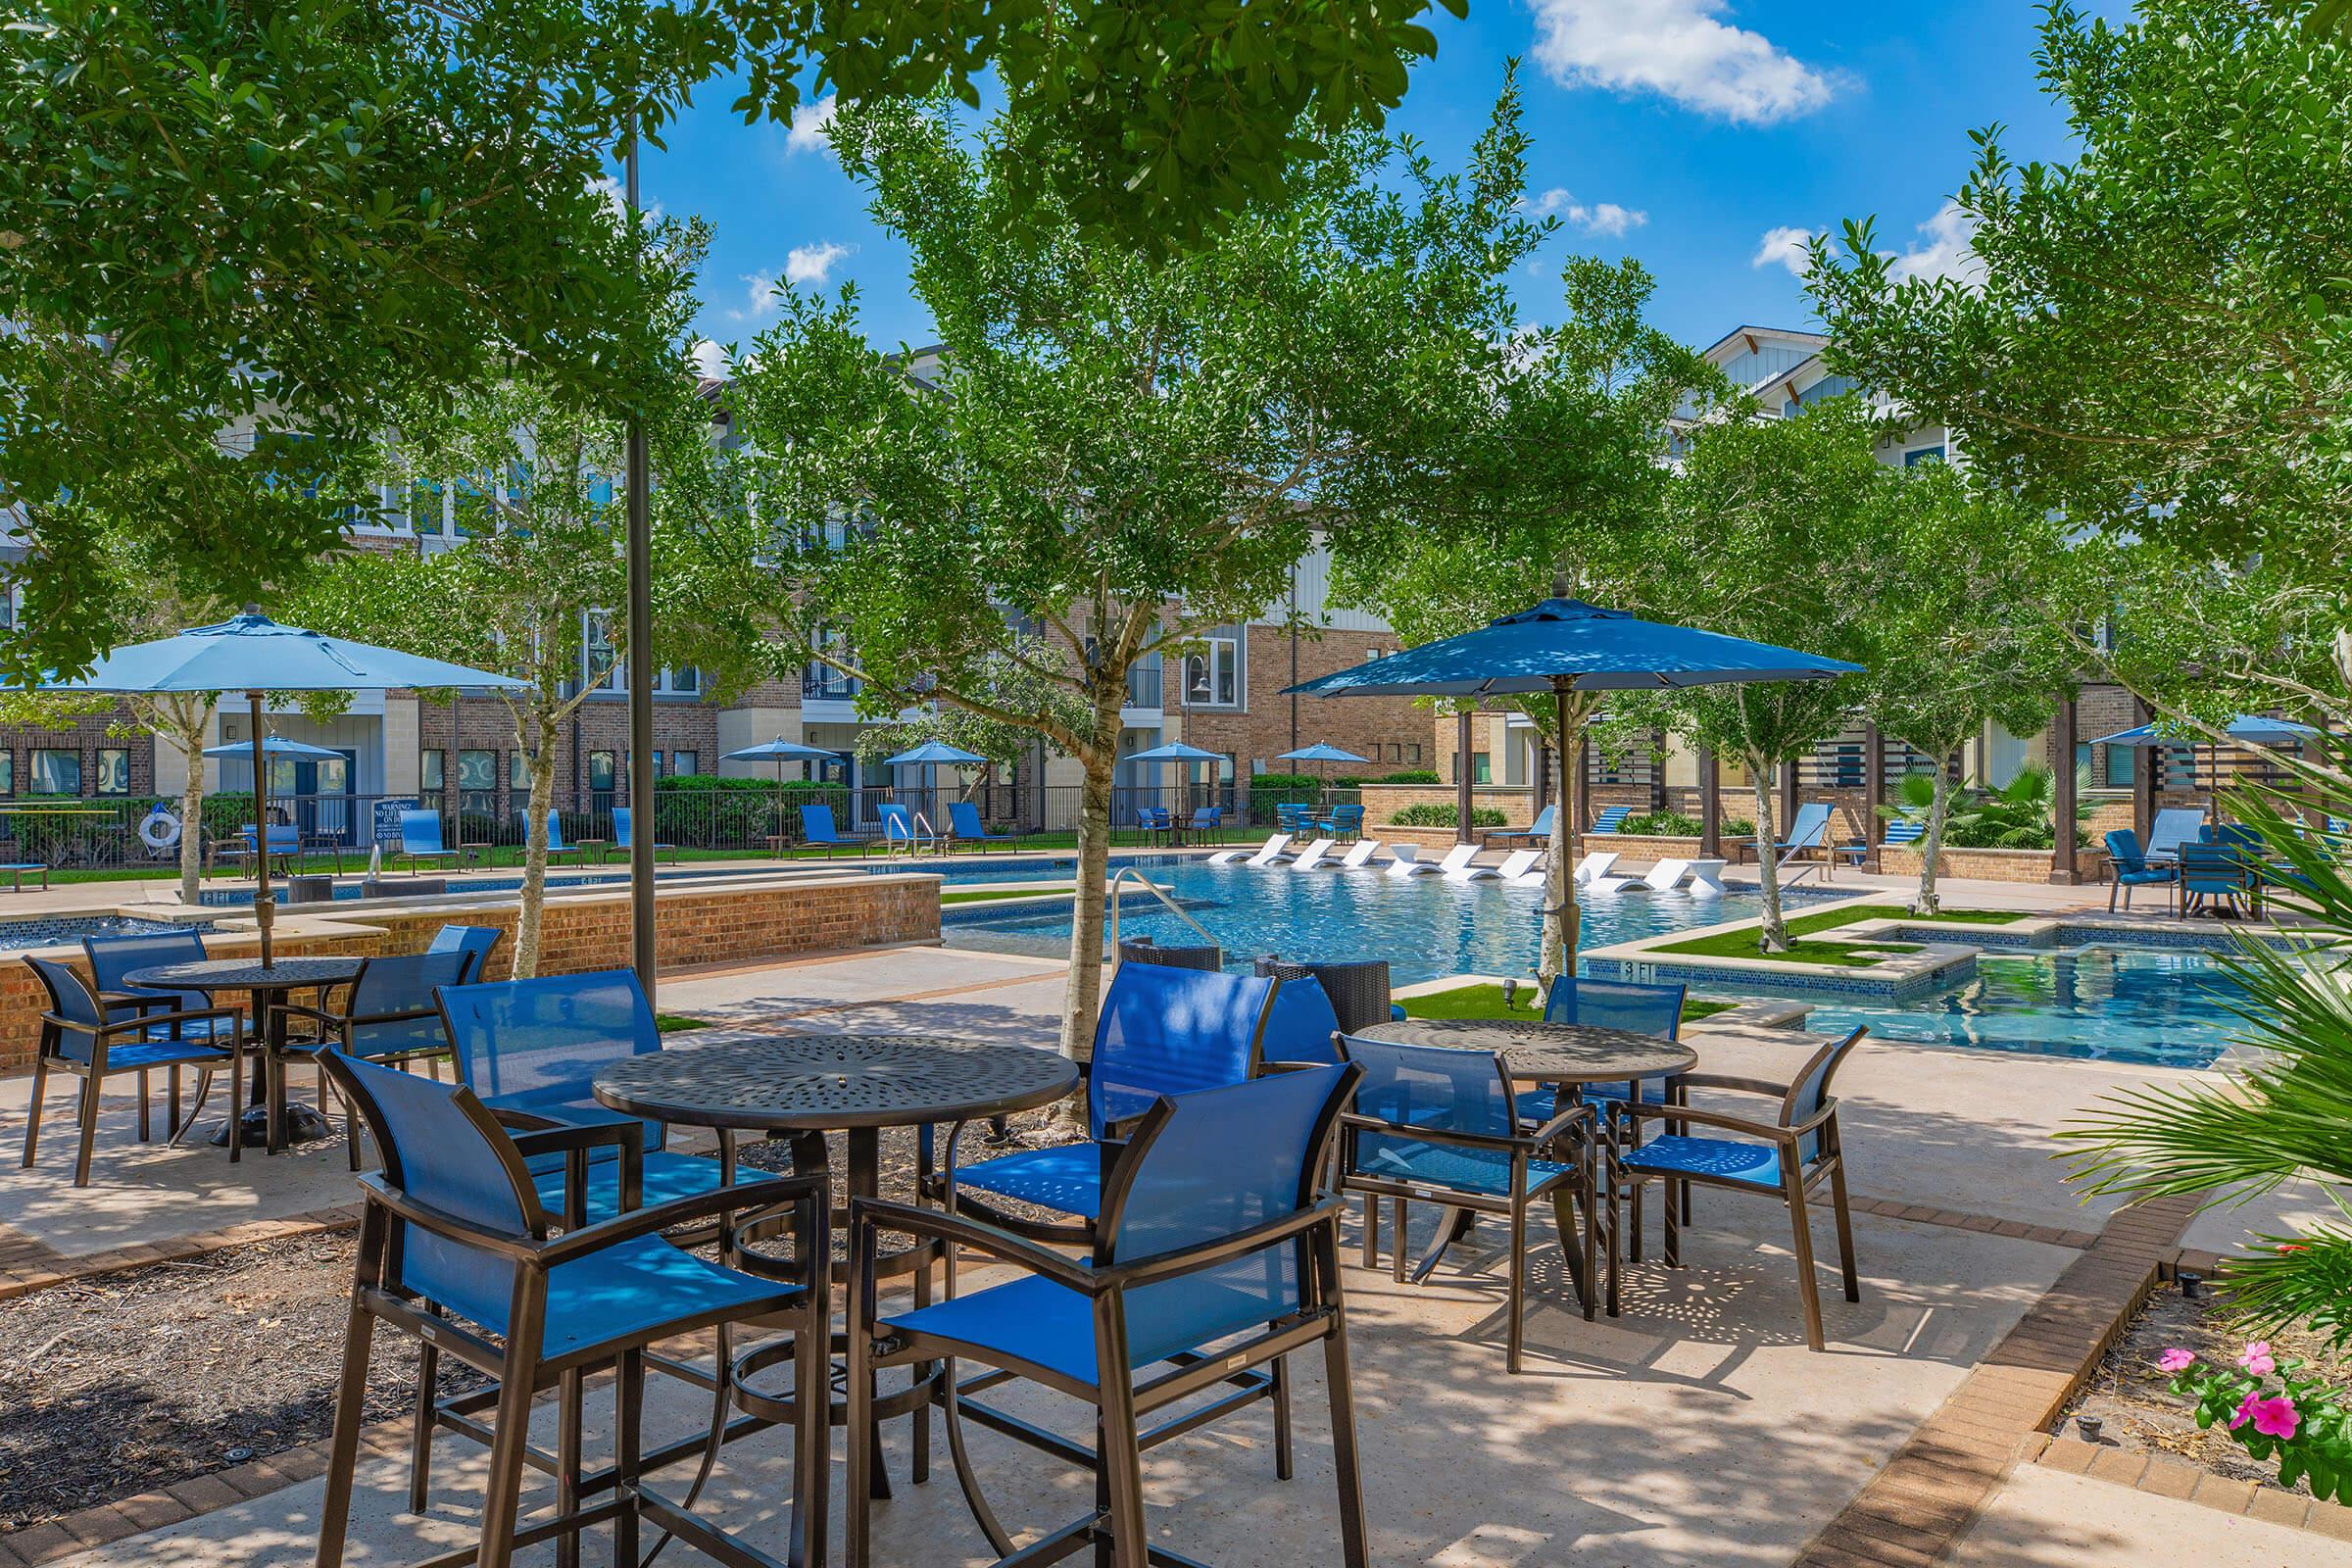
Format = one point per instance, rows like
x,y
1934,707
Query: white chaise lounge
x,y
1312,855
1514,866
1359,855
1269,852
1596,864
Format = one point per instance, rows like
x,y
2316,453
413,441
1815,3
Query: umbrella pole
x,y
1569,916
265,911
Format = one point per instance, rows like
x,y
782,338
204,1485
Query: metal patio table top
x,y
1540,1052
819,1083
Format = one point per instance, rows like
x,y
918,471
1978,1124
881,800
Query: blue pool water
x,y
64,931
1425,926
2151,1006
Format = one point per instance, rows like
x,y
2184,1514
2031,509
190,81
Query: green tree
x,y
2160,341
1769,533
1119,448
1969,602
1549,491
305,215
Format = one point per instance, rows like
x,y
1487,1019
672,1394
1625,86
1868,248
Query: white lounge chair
x,y
1518,866
1269,852
1312,855
1359,855
1662,877
1460,868
1596,864
1404,860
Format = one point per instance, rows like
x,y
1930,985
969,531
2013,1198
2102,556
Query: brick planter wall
x,y
693,924
1990,866
1384,801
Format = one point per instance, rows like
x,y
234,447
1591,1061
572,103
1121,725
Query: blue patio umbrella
x,y
936,753
1175,752
272,747
256,654
1564,646
1321,752
781,750
2250,729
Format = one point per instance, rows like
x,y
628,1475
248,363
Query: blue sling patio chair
x,y
114,956
621,817
1436,1124
89,1040
388,1016
479,940
455,1247
1163,1031
1611,818
1301,1026
2173,827
965,827
2215,874
1215,1257
1537,832
1648,1009
555,836
816,827
1809,830
2129,869
1785,1157
421,839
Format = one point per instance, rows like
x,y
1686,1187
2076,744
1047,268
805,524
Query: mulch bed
x,y
126,1383
2134,1403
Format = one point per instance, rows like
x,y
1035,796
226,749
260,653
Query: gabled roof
x,y
1747,340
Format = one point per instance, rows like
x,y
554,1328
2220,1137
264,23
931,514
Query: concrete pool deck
x,y
1697,1430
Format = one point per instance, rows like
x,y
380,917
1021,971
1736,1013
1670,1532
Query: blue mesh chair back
x,y
554,831
621,819
2239,836
476,942
421,833
816,823
963,820
70,1000
402,985
2123,849
442,1153
1812,1088
536,1045
1168,1031
1223,1161
1438,1087
1301,1025
1616,1005
114,957
898,823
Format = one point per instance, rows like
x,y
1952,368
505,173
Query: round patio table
x,y
268,985
1565,1056
805,1086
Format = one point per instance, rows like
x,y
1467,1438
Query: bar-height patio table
x,y
268,984
1565,1056
805,1086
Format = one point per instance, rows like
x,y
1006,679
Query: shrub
x,y
1739,828
1413,775
1663,824
1441,814
1268,790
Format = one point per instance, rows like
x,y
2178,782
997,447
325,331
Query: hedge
x,y
1441,814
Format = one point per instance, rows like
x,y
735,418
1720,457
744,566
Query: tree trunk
x,y
192,828
1561,921
1082,996
532,902
1768,867
1931,843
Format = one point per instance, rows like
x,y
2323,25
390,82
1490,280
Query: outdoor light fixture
x,y
1510,994
2089,1426
2192,1285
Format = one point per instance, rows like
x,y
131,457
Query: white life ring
x,y
159,829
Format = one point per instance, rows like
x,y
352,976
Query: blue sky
x,y
1698,135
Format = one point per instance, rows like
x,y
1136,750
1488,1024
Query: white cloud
x,y
1679,50
810,125
610,189
1947,251
1785,246
813,263
1605,218
759,298
709,359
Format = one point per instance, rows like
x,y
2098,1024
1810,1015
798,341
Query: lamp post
x,y
641,655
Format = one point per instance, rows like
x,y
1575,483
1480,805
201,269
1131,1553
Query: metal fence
x,y
706,816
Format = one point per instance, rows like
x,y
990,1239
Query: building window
x,y
1212,677
684,764
114,770
1412,752
598,669
1481,772
687,682
8,773
1143,682
429,769
2118,768
601,774
1919,454
55,771
821,680
477,770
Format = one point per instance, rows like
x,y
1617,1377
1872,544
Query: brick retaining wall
x,y
693,924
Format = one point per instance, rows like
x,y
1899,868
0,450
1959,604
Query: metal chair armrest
x,y
556,1138
144,1001
768,1192
1746,1085
1771,1132
147,1020
296,1010
1562,1122
889,1214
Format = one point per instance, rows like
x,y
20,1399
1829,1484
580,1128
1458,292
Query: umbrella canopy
x,y
2251,729
253,652
274,746
1566,644
1320,752
781,750
935,753
1173,751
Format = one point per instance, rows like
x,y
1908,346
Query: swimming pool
x,y
65,930
2161,1008
1425,926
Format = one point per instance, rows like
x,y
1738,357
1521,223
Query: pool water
x,y
64,930
2150,1006
1425,926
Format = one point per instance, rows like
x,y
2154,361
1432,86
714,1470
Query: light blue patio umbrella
x,y
256,654
1564,646
274,747
780,752
2251,729
1175,752
1321,752
936,753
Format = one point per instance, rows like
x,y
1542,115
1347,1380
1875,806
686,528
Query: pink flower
x,y
2244,1412
2256,1359
2176,1359
2275,1417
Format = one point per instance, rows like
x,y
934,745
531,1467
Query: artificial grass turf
x,y
1486,1001
992,895
1742,942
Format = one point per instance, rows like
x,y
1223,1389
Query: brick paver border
x,y
1923,1500
26,1265
2168,1476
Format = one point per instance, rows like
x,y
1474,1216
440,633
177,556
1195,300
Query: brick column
x,y
1710,803
2064,865
1461,778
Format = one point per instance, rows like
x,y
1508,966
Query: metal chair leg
x,y
420,1433
1120,1460
343,1451
1517,1289
1801,1229
567,1464
146,1109
628,1417
1282,1417
87,1115
32,1108
1345,1462
1846,1232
